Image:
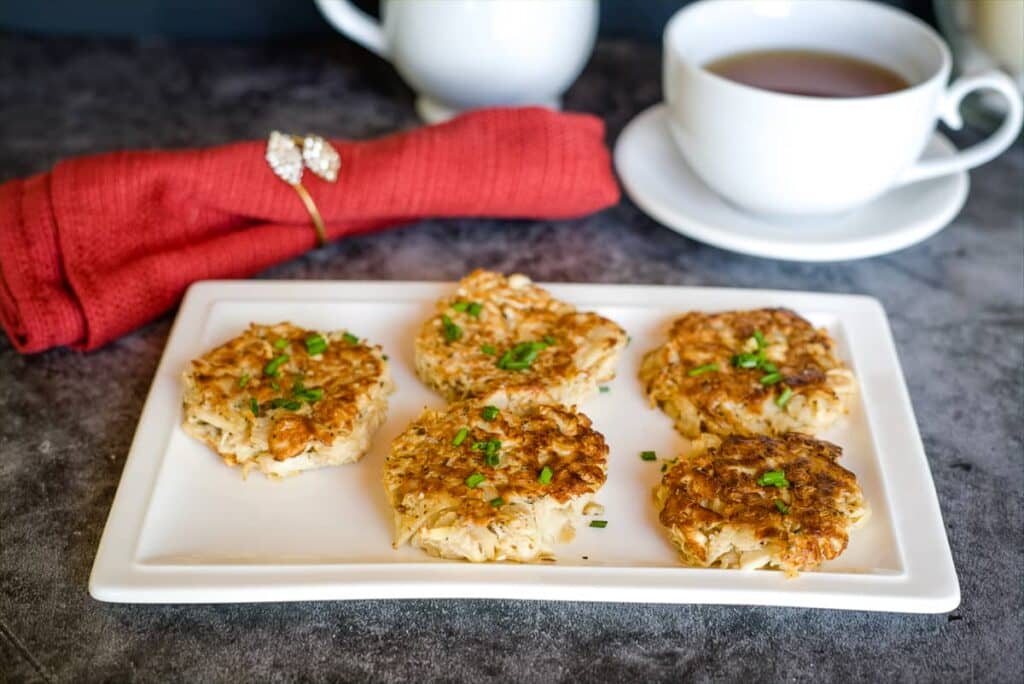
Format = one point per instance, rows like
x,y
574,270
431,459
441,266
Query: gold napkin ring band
x,y
288,155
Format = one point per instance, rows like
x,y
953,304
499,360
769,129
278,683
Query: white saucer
x,y
659,181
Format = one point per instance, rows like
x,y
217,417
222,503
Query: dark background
x,y
261,19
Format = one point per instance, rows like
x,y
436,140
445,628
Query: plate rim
x,y
928,583
722,238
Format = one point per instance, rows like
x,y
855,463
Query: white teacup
x,y
773,153
465,54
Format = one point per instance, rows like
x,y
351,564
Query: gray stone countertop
x,y
956,303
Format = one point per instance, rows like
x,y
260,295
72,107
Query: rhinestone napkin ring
x,y
289,154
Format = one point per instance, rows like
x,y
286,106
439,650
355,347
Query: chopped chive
x,y
599,523
270,369
244,380
771,378
474,480
384,356
281,344
350,338
545,475
701,370
460,437
784,397
489,350
773,478
521,356
254,407
451,331
664,467
274,386
478,446
745,360
604,389
497,502
474,309
289,404
781,505
310,394
316,344
460,306
769,367
648,455
492,459
759,338
549,340
489,412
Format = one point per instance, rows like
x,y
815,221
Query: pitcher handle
x,y
355,24
986,150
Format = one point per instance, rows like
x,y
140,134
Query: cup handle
x,y
986,150
355,24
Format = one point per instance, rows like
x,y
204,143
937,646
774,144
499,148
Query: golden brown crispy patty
x,y
285,399
506,334
753,502
493,483
764,371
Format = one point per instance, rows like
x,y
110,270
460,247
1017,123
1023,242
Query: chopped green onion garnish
x,y
497,502
270,369
316,344
492,447
474,480
451,331
521,356
281,344
599,523
773,478
478,446
310,394
289,404
460,306
489,412
604,389
701,370
549,340
745,360
244,380
771,378
664,467
460,436
474,309
768,367
784,397
384,356
274,386
759,338
254,407
489,350
492,459
545,475
781,505
350,338
648,455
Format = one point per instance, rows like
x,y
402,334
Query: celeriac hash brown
x,y
284,399
505,334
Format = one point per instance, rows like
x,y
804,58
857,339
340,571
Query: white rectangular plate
x,y
185,528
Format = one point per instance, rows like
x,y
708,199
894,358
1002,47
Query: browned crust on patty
x,y
425,461
718,491
733,400
582,351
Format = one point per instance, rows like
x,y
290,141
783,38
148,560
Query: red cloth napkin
x,y
103,244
